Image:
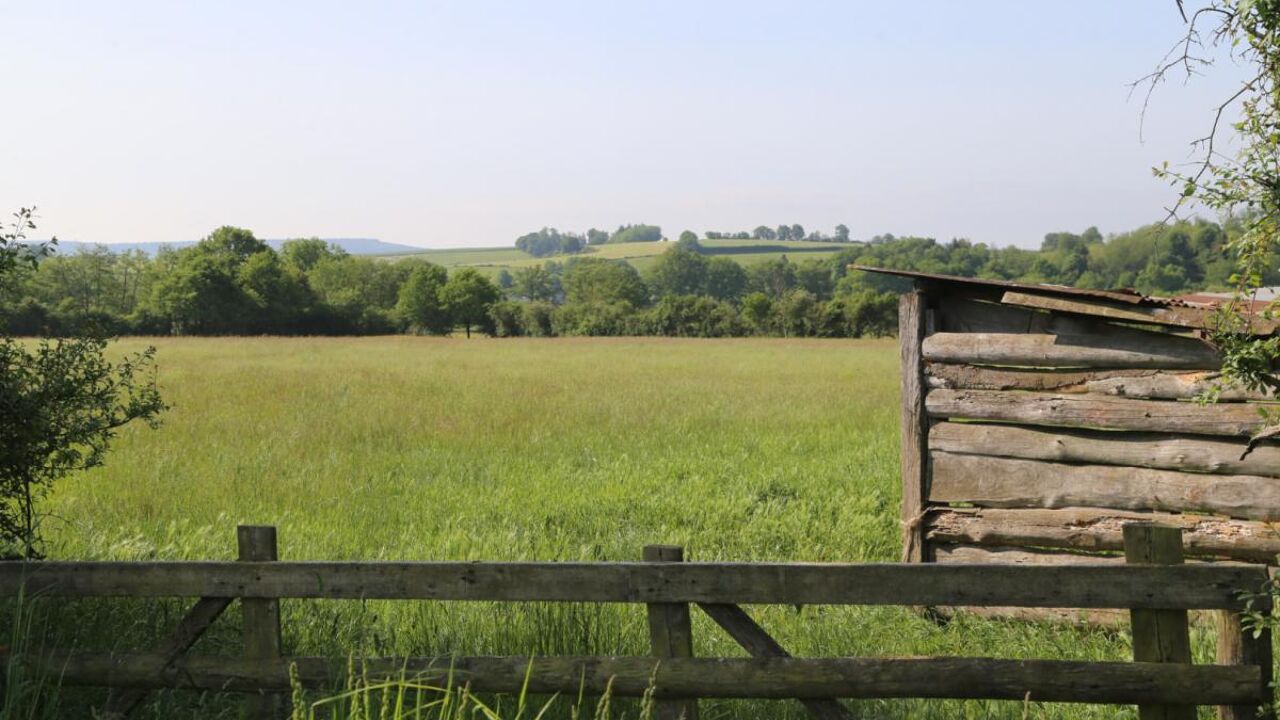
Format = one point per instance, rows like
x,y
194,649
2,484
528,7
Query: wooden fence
x,y
1154,586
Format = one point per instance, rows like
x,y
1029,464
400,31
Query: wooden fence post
x,y
670,635
1238,646
261,618
1160,636
913,460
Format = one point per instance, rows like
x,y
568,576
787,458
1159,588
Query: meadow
x,y
407,448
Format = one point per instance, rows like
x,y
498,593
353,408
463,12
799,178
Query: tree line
x,y
233,283
550,241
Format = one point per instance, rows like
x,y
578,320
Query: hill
x,y
355,246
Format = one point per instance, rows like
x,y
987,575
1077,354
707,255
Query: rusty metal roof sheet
x,y
1126,295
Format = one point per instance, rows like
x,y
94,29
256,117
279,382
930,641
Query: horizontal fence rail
x,y
776,678
1193,587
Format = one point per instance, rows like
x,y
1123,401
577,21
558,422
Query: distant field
x,y
640,255
567,449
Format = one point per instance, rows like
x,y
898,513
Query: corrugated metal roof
x,y
1125,295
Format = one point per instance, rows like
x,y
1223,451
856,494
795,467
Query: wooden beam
x,y
1207,587
759,644
1097,529
1188,453
953,376
1116,350
1095,411
914,424
670,635
765,678
1141,383
1159,635
1195,318
261,619
1013,483
1242,645
198,619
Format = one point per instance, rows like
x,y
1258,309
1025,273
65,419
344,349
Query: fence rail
x,y
1155,587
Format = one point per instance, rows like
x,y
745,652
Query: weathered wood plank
x,y
1044,680
1188,317
1095,411
1114,350
1141,383
262,640
198,619
952,376
670,635
1174,386
978,555
1207,587
1159,636
1097,529
1188,453
758,643
914,424
1239,645
1013,483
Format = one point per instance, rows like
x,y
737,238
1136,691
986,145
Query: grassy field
x,y
412,449
640,255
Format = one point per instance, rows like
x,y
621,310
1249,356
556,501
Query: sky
x,y
466,124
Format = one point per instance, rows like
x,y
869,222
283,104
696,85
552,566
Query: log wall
x,y
1050,423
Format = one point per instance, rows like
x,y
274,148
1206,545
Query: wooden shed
x,y
1039,419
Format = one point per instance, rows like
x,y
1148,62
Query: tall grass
x,y
418,449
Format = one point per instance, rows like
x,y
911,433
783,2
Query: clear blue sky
x,y
469,123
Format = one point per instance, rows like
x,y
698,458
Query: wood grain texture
x,y
1111,350
670,635
1141,383
1013,483
261,626
958,376
1044,680
1095,411
914,424
1187,453
1097,529
1195,318
759,644
197,620
1159,636
1208,587
1240,645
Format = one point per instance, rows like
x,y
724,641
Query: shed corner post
x,y
914,462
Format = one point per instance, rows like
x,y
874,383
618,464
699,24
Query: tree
x,y
61,404
764,232
842,233
678,272
636,233
305,253
725,279
536,283
797,232
688,240
505,281
1244,184
593,280
419,303
597,237
468,296
783,232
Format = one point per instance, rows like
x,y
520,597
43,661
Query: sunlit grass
x,y
406,448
